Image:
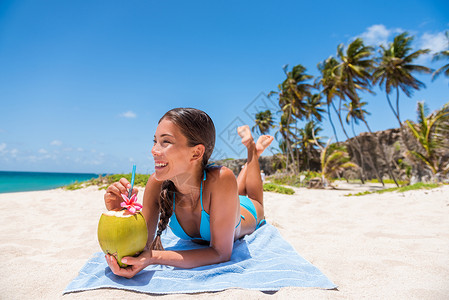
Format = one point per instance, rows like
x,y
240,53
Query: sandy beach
x,y
377,246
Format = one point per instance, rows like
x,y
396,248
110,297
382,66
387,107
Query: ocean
x,y
36,181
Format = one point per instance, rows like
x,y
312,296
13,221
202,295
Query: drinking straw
x,y
132,181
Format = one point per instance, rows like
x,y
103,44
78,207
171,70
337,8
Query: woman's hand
x,y
135,264
113,196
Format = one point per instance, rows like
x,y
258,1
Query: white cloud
x,y
14,152
43,151
56,143
129,114
376,35
2,147
435,42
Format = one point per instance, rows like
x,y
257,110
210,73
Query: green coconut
x,y
121,234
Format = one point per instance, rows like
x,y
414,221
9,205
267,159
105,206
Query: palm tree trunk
x,y
332,123
289,148
401,127
297,151
398,118
308,156
362,173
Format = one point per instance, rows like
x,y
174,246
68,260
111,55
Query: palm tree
x,y
313,110
292,92
296,89
355,68
328,82
440,56
285,124
431,133
334,159
353,73
307,140
286,131
395,69
264,122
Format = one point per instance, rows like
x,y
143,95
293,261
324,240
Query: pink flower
x,y
131,204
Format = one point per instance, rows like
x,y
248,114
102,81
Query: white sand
x,y
389,246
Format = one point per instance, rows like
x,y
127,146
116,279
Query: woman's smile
x,y
160,165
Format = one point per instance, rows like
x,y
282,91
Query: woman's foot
x,y
245,133
262,143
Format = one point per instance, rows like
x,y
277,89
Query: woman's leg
x,y
241,181
249,180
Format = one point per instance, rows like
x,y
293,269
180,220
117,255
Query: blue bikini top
x,y
204,223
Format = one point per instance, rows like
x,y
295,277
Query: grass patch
x,y
272,187
388,181
104,181
416,186
294,180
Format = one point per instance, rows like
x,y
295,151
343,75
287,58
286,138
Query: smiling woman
x,y
203,203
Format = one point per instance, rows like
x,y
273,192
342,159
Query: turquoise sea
x,y
35,181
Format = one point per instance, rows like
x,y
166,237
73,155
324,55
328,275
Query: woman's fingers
x,y
134,261
127,272
113,195
125,184
122,186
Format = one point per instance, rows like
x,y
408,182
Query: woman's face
x,y
171,153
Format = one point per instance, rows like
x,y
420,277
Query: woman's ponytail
x,y
165,210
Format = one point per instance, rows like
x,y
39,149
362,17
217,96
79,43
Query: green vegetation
x,y
430,132
271,187
104,181
389,181
334,159
294,180
416,186
264,121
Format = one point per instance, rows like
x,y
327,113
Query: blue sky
x,y
83,83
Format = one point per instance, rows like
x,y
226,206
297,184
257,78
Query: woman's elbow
x,y
224,256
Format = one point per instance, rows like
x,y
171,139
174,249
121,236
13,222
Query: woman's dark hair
x,y
199,129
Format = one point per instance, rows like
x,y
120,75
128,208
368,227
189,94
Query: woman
x,y
202,203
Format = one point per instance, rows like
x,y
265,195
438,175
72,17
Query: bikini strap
x,y
201,190
173,202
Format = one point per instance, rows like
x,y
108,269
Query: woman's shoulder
x,y
221,181
219,173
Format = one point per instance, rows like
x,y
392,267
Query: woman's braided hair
x,y
199,129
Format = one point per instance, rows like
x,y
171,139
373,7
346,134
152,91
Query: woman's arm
x,y
150,208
